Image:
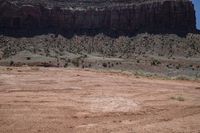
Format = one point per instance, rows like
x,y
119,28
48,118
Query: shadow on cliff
x,y
70,33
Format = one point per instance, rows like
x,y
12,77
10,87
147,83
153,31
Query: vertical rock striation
x,y
152,16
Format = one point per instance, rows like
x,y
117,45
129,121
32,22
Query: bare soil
x,y
58,100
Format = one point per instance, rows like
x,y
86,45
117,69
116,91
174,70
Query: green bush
x,y
155,62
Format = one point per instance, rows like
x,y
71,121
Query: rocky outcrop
x,y
130,17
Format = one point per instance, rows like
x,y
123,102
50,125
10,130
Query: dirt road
x,y
58,100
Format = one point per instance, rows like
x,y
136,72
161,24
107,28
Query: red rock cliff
x,y
165,15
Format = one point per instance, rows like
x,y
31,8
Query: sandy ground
x,y
58,100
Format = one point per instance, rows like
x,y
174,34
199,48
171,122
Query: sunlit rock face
x,y
128,16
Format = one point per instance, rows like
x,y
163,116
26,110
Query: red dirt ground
x,y
58,100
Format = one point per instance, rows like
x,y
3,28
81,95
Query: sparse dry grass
x,y
182,77
35,68
178,98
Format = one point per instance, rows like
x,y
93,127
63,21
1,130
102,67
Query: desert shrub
x,y
46,64
68,60
66,64
85,56
155,62
182,77
28,58
11,63
9,69
178,66
178,98
75,62
169,66
144,74
104,64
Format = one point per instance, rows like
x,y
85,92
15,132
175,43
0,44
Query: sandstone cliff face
x,y
164,16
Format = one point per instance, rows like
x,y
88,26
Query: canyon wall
x,y
153,16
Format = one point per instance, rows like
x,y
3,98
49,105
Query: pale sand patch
x,y
111,104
